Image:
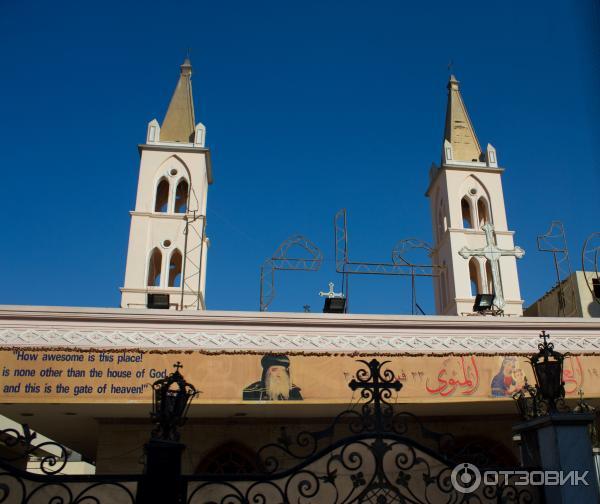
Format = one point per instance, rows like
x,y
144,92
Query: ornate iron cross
x,y
493,254
376,387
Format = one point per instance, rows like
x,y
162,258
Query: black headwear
x,y
274,360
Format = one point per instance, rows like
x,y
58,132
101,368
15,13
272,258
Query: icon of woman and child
x,y
510,378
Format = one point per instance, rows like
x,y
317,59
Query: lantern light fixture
x,y
547,396
171,402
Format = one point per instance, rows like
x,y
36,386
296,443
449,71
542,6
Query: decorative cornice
x,y
105,328
288,342
158,215
172,147
27,314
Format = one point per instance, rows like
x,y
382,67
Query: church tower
x,y
472,241
166,258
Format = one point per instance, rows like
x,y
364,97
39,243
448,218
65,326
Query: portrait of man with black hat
x,y
275,383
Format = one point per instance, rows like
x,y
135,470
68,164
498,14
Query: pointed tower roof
x,y
459,130
179,122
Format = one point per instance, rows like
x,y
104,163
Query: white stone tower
x,y
465,193
166,258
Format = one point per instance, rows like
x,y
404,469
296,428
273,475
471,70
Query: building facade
x,y
168,246
84,376
465,193
573,297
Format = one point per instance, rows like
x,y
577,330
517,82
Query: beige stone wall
x,y
581,304
447,191
150,229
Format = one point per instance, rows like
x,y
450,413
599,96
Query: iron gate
x,y
371,455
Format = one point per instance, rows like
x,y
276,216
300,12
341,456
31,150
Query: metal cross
x,y
493,254
545,337
331,294
376,387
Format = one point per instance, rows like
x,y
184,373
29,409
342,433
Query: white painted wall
x,y
450,183
150,229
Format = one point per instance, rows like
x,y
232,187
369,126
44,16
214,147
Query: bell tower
x,y
471,235
166,257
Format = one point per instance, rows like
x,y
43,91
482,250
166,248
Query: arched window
x,y
489,277
483,211
229,458
474,277
467,447
162,196
467,219
175,269
181,197
154,267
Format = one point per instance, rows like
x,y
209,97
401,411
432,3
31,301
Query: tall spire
x,y
459,131
179,122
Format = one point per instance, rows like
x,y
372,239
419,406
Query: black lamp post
x,y
548,369
171,401
162,480
554,436
549,390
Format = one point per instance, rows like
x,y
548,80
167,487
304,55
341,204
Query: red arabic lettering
x,y
447,386
573,377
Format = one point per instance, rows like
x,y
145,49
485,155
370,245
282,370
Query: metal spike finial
x,y
450,68
187,61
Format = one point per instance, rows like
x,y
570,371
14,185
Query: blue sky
x,y
309,107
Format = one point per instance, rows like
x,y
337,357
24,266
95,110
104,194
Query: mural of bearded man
x,y
275,383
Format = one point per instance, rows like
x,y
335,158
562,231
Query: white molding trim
x,y
289,342
114,328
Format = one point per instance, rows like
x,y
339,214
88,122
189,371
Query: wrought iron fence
x,y
375,459
370,454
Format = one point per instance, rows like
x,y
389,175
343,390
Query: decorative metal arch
x,y
399,265
344,265
590,262
555,242
281,261
399,256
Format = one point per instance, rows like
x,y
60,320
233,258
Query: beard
x,y
278,387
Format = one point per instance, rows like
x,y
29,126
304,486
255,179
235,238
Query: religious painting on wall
x,y
509,379
275,383
43,375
